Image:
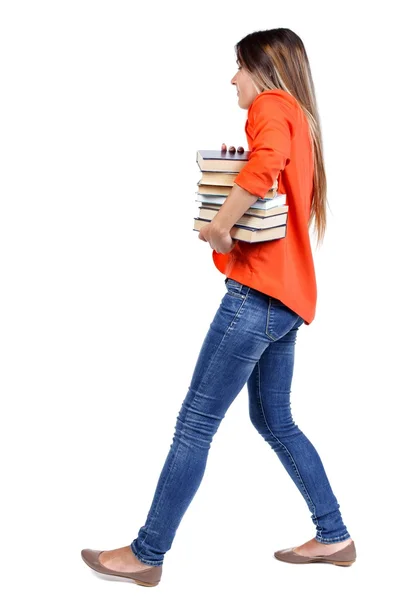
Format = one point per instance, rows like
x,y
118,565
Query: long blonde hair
x,y
276,58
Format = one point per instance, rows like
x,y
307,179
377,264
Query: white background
x,y
107,294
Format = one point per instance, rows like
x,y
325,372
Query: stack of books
x,y
265,220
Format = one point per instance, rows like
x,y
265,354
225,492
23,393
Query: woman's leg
x,y
236,340
269,388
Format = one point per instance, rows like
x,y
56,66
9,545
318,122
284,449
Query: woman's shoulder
x,y
273,100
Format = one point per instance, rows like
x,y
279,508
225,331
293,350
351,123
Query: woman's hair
x,y
277,59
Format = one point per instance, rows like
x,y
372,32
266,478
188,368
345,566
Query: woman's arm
x,y
235,205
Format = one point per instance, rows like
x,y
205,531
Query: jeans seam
x,y
334,539
270,305
236,294
139,555
236,290
268,320
156,507
286,449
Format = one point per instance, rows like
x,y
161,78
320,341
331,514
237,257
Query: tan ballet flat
x,y
148,577
342,558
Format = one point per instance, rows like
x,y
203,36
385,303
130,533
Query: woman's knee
x,y
272,426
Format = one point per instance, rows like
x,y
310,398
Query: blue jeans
x,y
250,341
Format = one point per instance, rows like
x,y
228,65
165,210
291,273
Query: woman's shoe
x,y
148,577
342,558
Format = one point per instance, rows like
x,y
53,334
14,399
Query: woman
x,y
271,292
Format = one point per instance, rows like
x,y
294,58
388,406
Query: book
x,y
267,212
263,222
224,190
248,234
221,161
215,178
226,180
260,204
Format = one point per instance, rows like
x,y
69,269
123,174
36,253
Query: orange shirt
x,y
278,138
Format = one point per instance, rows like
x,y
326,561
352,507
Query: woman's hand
x,y
220,241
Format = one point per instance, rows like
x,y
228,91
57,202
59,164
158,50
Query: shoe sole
x,y
339,563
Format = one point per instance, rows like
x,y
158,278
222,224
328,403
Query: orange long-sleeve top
x,y
278,138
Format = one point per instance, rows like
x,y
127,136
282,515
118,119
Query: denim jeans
x,y
250,341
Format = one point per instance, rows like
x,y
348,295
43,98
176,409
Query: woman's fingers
x,y
240,149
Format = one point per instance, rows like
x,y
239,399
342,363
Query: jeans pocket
x,y
280,319
235,288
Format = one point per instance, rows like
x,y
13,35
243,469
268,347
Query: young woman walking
x,y
270,292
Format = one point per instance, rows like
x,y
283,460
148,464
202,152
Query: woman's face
x,y
246,89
